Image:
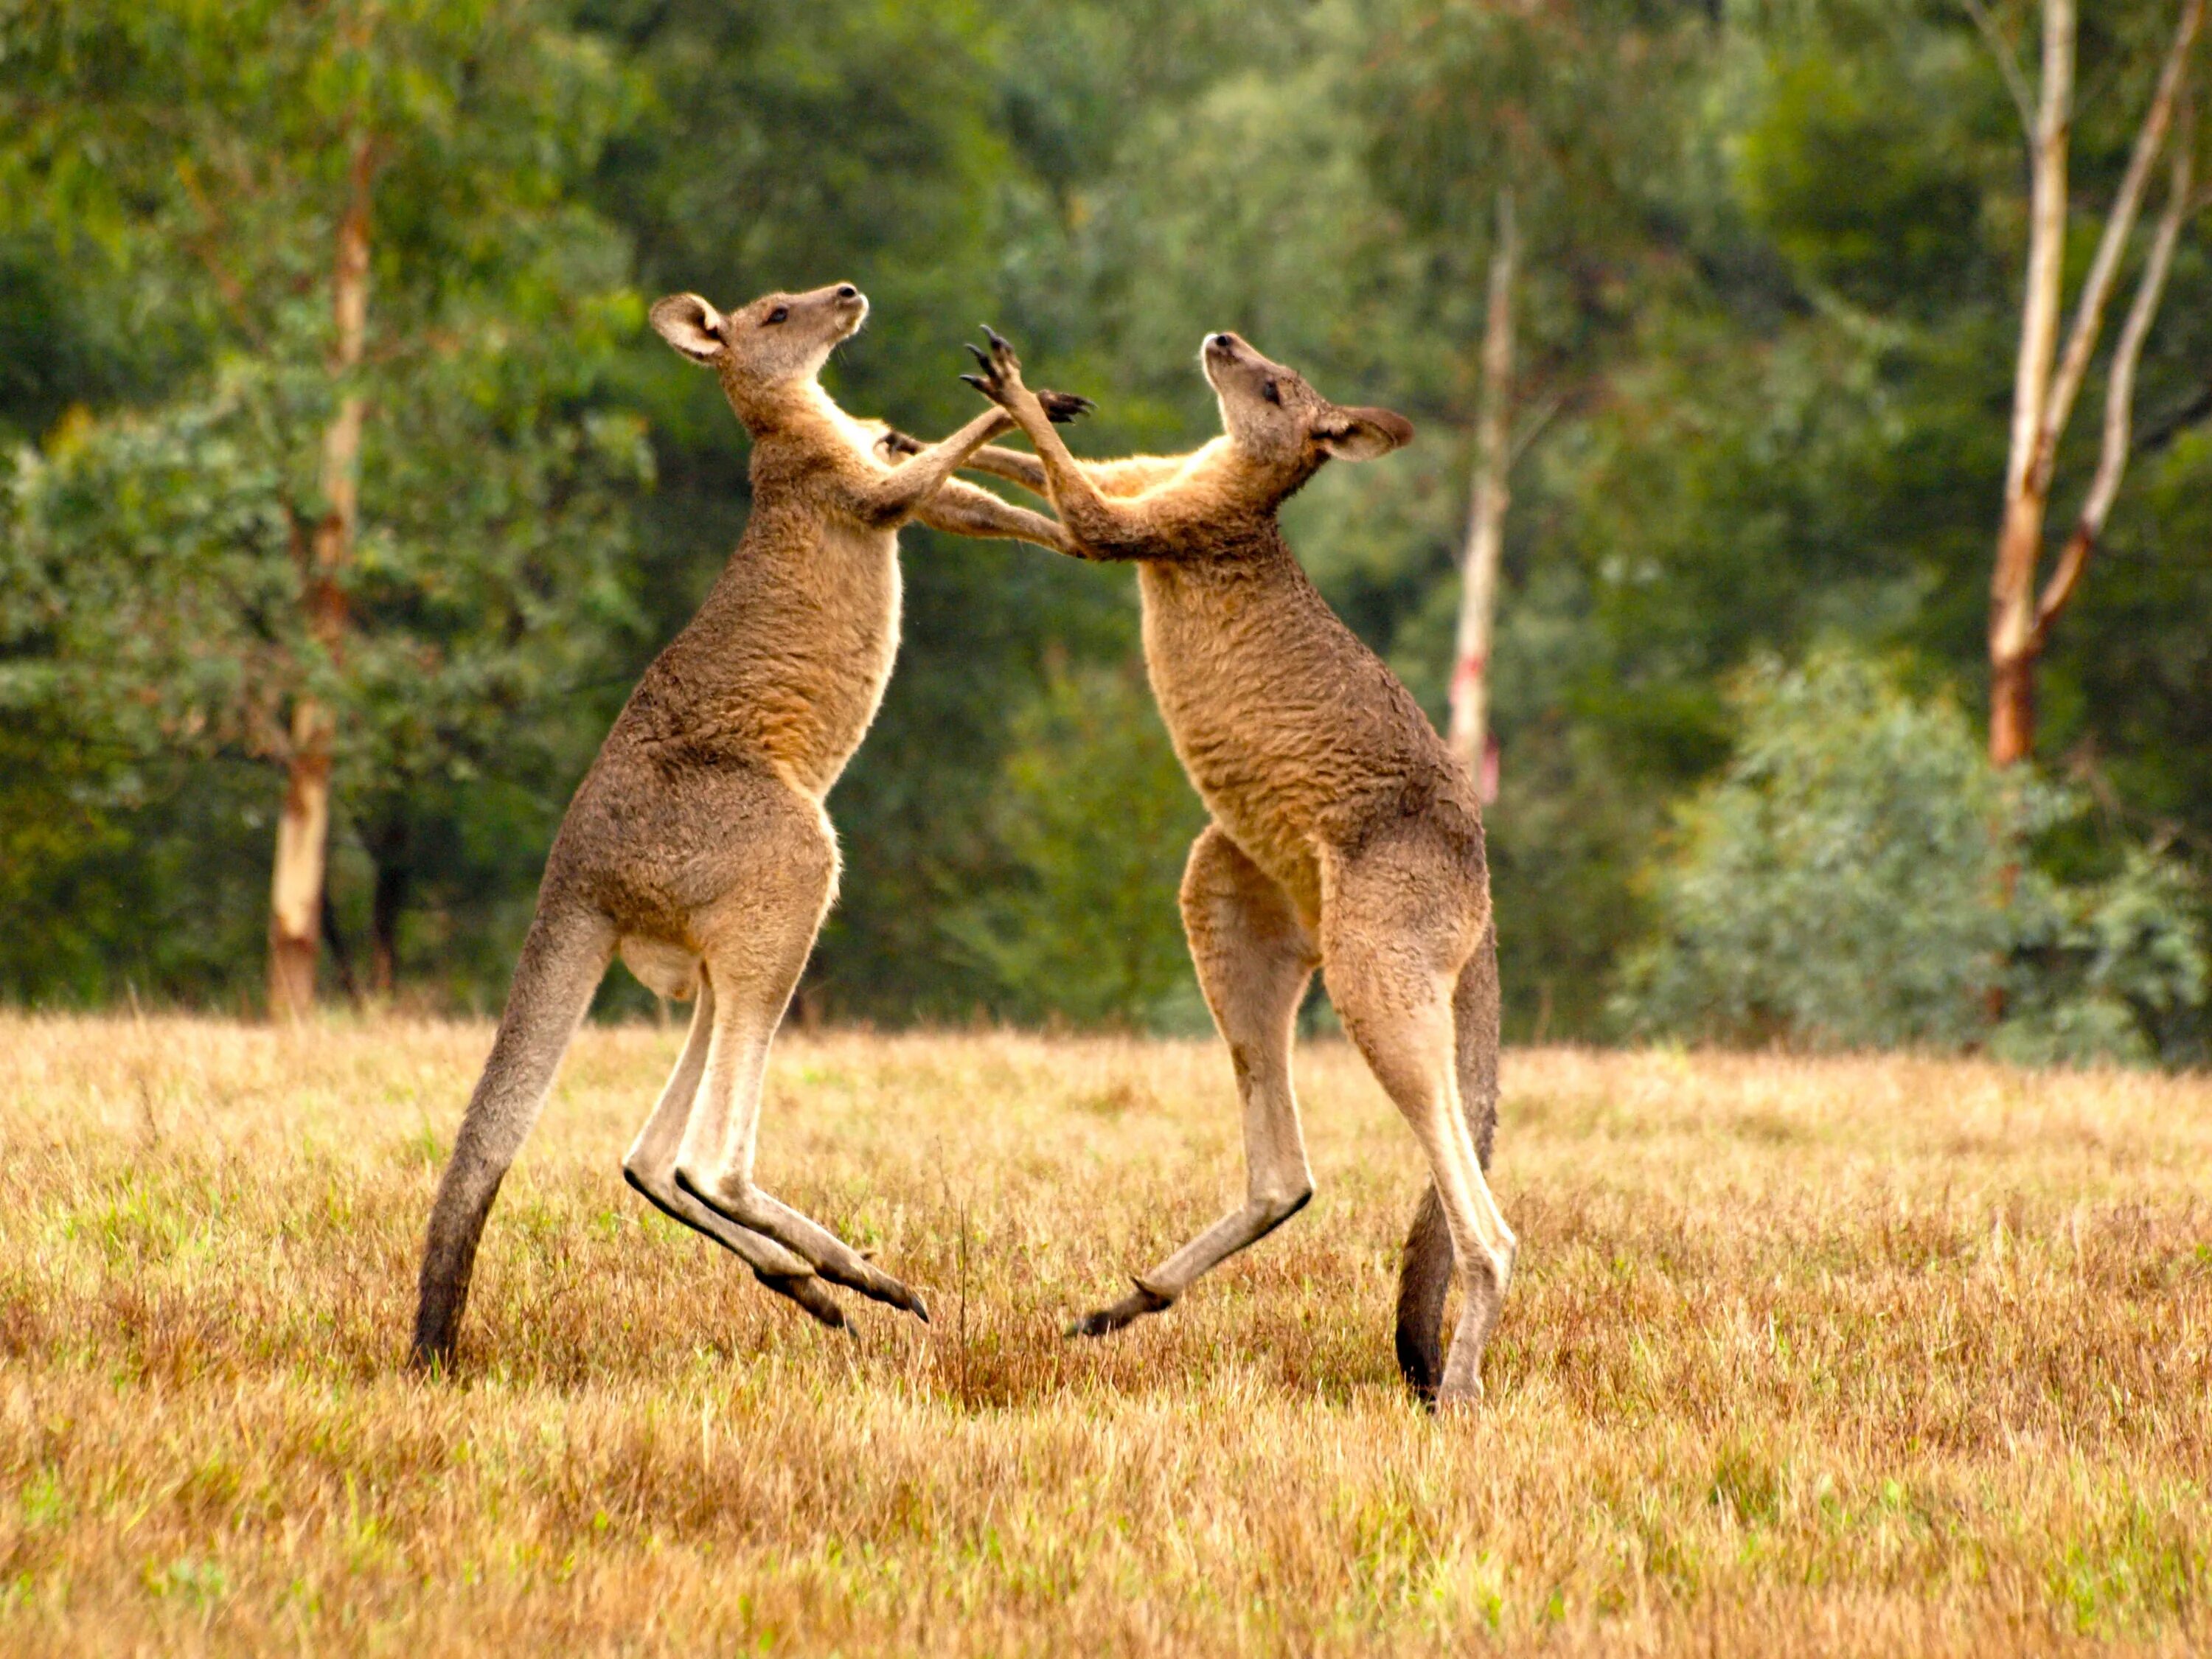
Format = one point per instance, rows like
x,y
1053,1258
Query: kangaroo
x,y
1344,835
697,846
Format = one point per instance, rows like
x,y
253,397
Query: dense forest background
x,y
1770,267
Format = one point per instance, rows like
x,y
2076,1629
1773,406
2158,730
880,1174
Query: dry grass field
x,y
1880,1357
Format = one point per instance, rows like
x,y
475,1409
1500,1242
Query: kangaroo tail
x,y
1424,1271
563,961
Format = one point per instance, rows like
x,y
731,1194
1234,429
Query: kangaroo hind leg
x,y
650,1167
1253,957
563,961
1424,1271
1393,970
758,945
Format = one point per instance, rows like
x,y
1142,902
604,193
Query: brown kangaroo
x,y
697,845
1344,835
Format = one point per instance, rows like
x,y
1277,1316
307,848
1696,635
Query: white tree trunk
x,y
1469,735
297,876
2012,587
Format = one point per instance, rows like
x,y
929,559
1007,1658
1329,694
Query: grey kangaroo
x,y
1344,835
697,846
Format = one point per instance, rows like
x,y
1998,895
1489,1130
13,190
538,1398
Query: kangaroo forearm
x,y
962,509
1129,475
900,492
1010,465
1098,527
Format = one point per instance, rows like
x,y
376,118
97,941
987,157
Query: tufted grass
x,y
1804,1358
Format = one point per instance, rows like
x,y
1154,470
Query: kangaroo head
x,y
763,352
1275,418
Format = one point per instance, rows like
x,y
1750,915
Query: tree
x,y
338,473
1836,887
2047,382
1494,113
1469,734
1097,819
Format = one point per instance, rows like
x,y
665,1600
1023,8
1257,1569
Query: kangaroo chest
x,y
786,662
1240,692
829,654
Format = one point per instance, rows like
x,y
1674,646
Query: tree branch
x,y
2042,301
2119,225
2120,394
2007,65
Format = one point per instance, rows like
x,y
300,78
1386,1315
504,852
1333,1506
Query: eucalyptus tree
x,y
1521,143
373,523
2047,380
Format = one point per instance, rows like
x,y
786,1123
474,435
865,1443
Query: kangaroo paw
x,y
1001,377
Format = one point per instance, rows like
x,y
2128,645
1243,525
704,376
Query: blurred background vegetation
x,y
1770,265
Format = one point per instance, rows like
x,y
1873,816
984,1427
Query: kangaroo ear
x,y
691,325
1361,435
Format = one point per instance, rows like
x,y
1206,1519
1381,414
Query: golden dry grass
x,y
1803,1358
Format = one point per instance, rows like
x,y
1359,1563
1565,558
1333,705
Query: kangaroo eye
x,y
1272,393
781,313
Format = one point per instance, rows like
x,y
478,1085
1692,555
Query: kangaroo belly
x,y
1295,734
1247,743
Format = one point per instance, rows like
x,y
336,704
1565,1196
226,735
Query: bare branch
x,y
2041,304
2119,225
2120,394
1532,425
2023,98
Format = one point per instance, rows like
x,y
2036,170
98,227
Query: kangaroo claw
x,y
1061,407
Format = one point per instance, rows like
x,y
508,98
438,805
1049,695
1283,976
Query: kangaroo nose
x,y
1223,342
846,291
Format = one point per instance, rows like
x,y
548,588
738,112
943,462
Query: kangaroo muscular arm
x,y
1130,476
965,510
1010,465
1100,525
887,499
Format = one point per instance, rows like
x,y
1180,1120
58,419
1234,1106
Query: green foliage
x,y
1842,885
2115,968
156,560
1096,819
1769,309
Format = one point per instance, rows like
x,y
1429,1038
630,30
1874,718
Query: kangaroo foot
x,y
1130,1308
808,1293
1486,1298
829,1255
